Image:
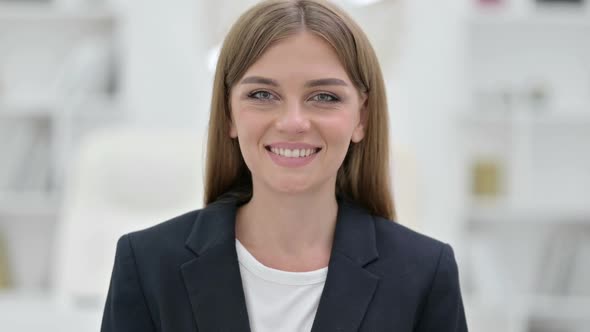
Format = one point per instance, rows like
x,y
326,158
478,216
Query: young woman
x,y
297,231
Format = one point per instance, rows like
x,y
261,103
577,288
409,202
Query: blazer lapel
x,y
212,279
214,284
349,288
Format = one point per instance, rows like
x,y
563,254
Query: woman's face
x,y
295,112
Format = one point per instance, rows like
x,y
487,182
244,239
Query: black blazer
x,y
183,275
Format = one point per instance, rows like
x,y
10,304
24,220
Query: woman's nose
x,y
293,119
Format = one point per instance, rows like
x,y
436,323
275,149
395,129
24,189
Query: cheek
x,y
338,129
250,128
239,119
247,137
249,125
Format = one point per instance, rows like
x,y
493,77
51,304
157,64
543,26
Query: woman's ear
x,y
359,131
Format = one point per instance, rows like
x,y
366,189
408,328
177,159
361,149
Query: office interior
x,y
489,104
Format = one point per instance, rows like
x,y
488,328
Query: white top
x,y
279,300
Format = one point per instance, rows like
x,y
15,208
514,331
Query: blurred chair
x,y
124,179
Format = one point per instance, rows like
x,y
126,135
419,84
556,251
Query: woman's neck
x,y
288,232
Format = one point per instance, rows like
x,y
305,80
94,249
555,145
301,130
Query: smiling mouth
x,y
293,153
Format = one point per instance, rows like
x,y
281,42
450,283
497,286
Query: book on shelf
x,y
4,271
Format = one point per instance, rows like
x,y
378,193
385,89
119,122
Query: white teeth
x,y
295,153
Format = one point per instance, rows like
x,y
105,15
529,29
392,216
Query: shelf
x,y
27,108
505,22
45,108
575,18
536,306
100,107
515,313
503,214
50,316
28,204
560,307
565,119
47,13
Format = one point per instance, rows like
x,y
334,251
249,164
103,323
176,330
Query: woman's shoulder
x,y
187,232
407,248
168,235
391,237
391,234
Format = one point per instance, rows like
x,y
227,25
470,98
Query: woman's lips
x,y
293,154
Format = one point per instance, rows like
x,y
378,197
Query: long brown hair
x,y
364,174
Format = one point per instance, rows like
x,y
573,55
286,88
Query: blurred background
x,y
490,122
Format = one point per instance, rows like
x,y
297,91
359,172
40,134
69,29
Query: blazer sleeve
x,y
443,310
126,309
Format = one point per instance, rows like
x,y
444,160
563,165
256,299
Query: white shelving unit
x,y
50,316
50,13
38,204
512,266
529,79
58,80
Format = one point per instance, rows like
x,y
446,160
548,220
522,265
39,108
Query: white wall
x,y
165,77
427,90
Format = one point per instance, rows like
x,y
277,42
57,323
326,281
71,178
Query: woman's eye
x,y
261,95
325,98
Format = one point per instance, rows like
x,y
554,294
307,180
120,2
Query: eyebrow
x,y
324,82
259,80
308,84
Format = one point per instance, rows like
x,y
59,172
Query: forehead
x,y
303,54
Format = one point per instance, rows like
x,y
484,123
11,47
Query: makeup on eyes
x,y
266,95
308,84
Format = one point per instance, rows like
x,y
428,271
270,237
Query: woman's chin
x,y
292,188
289,185
298,186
